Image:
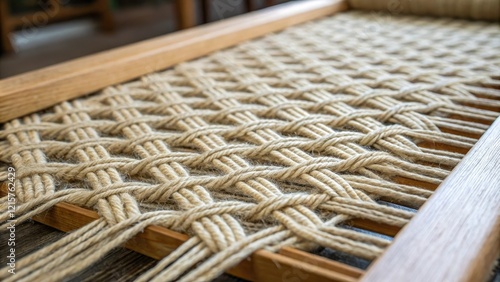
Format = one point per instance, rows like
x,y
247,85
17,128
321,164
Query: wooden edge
x,y
51,85
376,227
321,262
456,234
157,242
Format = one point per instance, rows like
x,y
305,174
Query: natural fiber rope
x,y
275,142
466,9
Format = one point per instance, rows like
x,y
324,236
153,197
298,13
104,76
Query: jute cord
x,y
280,141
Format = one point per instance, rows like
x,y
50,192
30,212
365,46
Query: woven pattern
x,y
467,9
276,142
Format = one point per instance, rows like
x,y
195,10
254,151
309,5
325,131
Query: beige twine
x,y
488,10
275,142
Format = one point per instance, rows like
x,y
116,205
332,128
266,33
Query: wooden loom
x,y
449,224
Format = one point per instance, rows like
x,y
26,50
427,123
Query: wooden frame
x,y
461,219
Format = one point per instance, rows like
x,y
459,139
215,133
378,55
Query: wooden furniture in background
x,y
186,13
52,11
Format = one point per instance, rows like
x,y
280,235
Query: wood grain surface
x,y
455,236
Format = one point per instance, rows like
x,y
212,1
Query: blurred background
x,y
39,33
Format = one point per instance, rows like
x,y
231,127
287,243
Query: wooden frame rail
x,y
455,236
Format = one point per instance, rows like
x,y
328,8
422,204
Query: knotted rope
x,y
276,142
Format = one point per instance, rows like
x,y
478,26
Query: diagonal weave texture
x,y
466,9
276,142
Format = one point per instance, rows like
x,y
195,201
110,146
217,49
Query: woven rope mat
x,y
276,142
465,9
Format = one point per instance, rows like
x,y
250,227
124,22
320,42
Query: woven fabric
x,y
280,141
466,9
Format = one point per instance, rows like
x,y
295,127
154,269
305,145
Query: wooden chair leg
x,y
270,3
205,10
250,5
186,13
106,15
5,28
